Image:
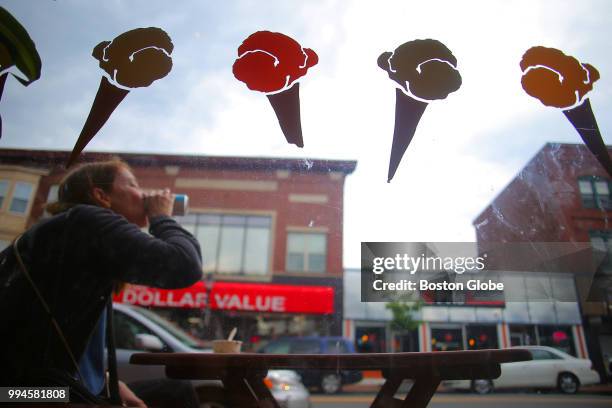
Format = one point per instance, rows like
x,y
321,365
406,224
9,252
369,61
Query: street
x,y
507,400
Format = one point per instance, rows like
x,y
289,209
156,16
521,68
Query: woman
x,y
92,242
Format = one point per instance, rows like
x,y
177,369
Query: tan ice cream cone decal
x,y
271,63
425,70
561,81
134,59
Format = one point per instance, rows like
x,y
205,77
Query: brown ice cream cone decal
x,y
561,81
134,59
286,105
272,63
2,82
583,120
408,112
425,70
107,99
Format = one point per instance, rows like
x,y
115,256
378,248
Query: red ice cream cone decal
x,y
134,59
561,81
425,70
286,105
272,63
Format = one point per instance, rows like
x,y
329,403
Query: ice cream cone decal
x,y
561,81
271,63
134,59
425,70
16,50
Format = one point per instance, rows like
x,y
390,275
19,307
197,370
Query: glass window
x,y
4,244
481,337
602,241
21,197
306,252
544,355
232,244
446,339
559,337
4,184
595,192
305,347
277,347
336,347
53,192
126,330
522,335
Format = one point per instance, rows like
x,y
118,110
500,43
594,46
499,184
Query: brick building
x,y
270,230
561,195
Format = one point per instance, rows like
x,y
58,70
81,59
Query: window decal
x,y
425,70
272,63
561,81
134,59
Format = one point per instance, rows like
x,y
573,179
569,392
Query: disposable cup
x,y
226,346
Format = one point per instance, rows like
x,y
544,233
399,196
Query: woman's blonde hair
x,y
77,186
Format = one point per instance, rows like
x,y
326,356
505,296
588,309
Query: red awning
x,y
255,297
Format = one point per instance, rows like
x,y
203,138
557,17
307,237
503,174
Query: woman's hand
x,y
158,202
129,398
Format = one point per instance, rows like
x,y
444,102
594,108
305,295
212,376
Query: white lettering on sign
x,y
147,298
245,302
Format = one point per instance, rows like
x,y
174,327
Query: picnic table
x,y
243,374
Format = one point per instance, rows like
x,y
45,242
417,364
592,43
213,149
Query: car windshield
x,y
180,334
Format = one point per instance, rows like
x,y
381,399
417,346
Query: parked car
x,y
550,368
329,382
140,330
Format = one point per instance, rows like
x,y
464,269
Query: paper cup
x,y
226,346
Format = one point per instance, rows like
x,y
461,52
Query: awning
x,y
248,297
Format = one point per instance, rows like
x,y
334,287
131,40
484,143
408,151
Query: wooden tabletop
x,y
358,361
243,374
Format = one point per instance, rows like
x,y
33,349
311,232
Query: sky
x,y
466,149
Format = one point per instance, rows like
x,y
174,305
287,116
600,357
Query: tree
x,y
403,321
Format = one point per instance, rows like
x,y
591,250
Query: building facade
x,y
270,231
562,195
447,324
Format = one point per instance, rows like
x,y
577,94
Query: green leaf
x,y
20,47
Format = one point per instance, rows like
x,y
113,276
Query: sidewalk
x,y
373,380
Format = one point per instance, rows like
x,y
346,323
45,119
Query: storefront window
x,y
370,339
559,337
481,337
446,339
523,335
